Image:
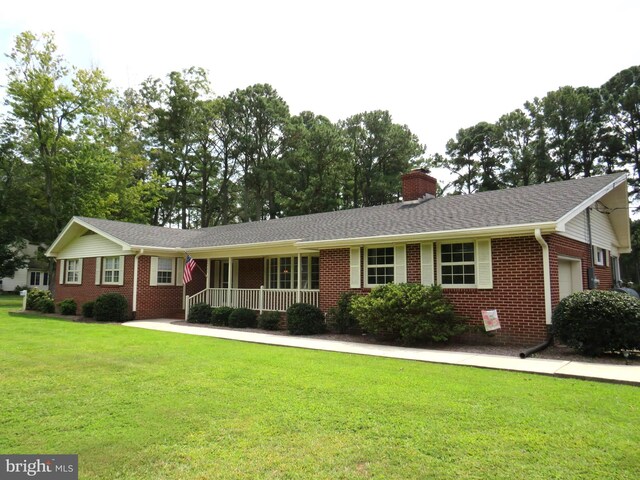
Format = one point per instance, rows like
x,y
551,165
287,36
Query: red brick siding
x,y
156,301
414,267
335,276
88,291
517,293
251,272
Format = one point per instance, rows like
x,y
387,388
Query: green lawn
x,y
138,404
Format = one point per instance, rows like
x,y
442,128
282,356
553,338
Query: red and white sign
x,y
490,318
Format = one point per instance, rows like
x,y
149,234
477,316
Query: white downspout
x,y
547,275
135,280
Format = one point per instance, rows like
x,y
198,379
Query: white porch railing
x,y
260,299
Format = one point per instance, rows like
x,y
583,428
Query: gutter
x,y
134,307
546,270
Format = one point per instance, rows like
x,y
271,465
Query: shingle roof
x,y
500,208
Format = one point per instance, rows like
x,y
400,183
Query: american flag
x,y
189,265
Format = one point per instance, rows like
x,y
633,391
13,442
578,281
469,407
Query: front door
x,y
221,274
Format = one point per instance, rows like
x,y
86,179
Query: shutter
x,y
121,274
98,270
80,271
235,273
153,275
484,273
179,271
354,268
400,270
61,272
426,263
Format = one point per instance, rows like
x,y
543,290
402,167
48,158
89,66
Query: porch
x,y
259,299
271,283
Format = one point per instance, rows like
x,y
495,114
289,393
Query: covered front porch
x,y
266,283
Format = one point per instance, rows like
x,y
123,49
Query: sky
x,y
437,66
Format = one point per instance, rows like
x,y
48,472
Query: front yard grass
x,y
138,404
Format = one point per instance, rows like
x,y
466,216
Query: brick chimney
x,y
417,184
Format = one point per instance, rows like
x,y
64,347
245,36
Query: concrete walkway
x,y
626,374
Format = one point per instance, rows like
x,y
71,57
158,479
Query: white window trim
x,y
120,271
172,282
366,265
597,260
475,263
67,263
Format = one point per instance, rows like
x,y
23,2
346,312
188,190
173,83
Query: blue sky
x,y
436,66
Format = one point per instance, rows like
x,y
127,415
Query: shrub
x,y
269,320
34,295
339,318
110,307
18,289
242,318
409,312
87,309
199,313
45,305
595,321
305,319
68,306
220,316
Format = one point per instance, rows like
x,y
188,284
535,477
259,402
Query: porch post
x,y
208,284
299,278
230,270
186,308
261,299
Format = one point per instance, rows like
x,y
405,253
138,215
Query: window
x,y
282,272
73,271
112,270
380,265
457,264
34,279
165,271
599,256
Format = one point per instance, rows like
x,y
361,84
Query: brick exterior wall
x,y
251,272
88,291
156,301
517,293
518,284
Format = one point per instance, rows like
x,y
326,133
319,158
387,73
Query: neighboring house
x,y
34,275
518,251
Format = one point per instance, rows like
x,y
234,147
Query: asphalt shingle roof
x,y
532,204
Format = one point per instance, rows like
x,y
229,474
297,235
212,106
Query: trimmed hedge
x,y
407,311
305,319
597,321
34,295
242,318
68,306
199,313
269,320
45,305
111,307
87,309
220,316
